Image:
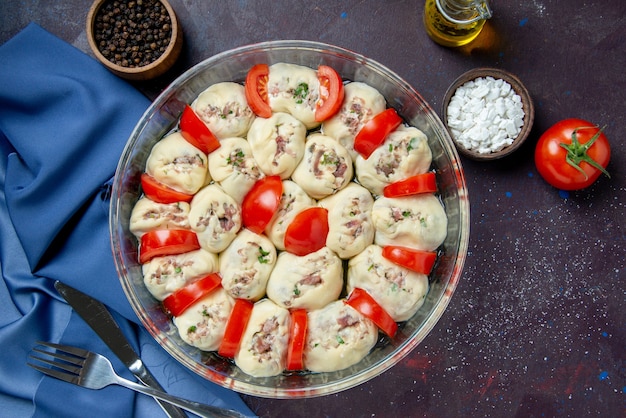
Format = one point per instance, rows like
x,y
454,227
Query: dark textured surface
x,y
537,325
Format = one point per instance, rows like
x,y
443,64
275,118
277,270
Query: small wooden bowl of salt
x,y
488,112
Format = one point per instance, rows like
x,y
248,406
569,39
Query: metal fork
x,y
94,371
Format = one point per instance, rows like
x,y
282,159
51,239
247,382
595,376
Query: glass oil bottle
x,y
454,23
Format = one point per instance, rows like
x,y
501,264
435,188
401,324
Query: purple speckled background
x,y
537,326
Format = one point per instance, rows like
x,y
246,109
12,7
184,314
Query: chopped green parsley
x,y
236,158
301,92
263,256
411,145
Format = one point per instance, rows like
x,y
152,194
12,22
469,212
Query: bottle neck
x,y
464,11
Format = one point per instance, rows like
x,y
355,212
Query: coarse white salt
x,y
485,115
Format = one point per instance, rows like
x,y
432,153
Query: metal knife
x,y
101,321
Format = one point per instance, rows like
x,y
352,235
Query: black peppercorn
x,y
139,29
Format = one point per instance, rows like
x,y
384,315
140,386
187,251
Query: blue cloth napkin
x,y
64,120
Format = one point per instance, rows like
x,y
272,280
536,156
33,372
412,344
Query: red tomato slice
x,y
360,300
331,93
196,132
183,298
375,131
166,242
307,232
161,193
416,260
421,183
297,339
235,327
261,202
256,90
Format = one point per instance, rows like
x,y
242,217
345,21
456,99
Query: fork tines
x,y
66,362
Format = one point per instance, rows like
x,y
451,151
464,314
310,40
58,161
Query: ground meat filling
x,y
395,277
326,160
245,277
185,163
226,221
282,145
312,279
241,281
263,339
173,213
389,163
355,223
231,110
399,215
168,269
355,114
237,159
347,321
225,217
210,314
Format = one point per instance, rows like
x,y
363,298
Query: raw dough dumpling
x,y
234,168
417,221
293,201
310,282
325,168
148,215
215,217
263,349
338,336
360,104
400,291
176,163
404,153
294,89
224,109
349,220
165,275
202,325
246,265
277,143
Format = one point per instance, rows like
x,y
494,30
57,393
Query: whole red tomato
x,y
572,154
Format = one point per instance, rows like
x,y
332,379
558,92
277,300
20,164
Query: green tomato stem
x,y
577,152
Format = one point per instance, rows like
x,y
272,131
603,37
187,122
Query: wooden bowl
x,y
527,107
147,71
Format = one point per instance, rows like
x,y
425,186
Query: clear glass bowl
x,y
233,65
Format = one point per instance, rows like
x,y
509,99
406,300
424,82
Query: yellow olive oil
x,y
454,32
